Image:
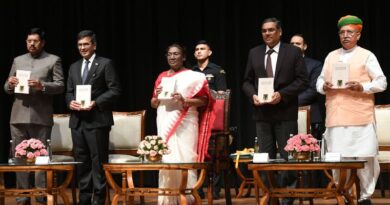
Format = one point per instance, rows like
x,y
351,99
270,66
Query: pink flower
x,y
37,153
153,153
30,155
43,152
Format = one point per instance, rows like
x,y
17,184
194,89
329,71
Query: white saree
x,y
180,127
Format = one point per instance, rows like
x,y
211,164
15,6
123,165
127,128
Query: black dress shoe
x,y
365,202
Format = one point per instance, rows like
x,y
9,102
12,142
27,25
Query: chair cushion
x,y
122,158
126,132
61,138
384,157
219,110
62,158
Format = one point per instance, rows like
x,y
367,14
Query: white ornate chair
x,y
125,136
382,118
62,145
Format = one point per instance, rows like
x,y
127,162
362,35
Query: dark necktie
x,y
268,66
85,71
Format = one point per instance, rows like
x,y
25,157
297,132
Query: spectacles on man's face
x,y
347,32
85,45
270,30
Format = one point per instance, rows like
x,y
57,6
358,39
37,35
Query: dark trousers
x,y
318,177
91,148
273,138
20,132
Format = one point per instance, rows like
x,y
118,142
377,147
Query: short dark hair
x,y
203,42
37,31
274,20
87,33
180,47
300,35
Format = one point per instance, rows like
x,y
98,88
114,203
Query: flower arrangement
x,y
153,145
30,149
302,143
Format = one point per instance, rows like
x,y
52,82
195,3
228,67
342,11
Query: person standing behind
x,y
276,120
90,126
216,78
310,96
350,128
214,73
32,113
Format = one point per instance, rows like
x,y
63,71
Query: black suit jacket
x,y
310,96
105,90
290,79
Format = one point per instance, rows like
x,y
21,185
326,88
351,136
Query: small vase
x,y
156,158
302,156
30,160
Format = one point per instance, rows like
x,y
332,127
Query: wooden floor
x,y
377,200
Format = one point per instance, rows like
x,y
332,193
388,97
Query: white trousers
x,y
367,175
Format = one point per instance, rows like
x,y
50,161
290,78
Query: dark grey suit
x,y
279,120
37,107
32,114
90,129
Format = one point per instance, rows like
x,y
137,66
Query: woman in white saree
x,y
183,119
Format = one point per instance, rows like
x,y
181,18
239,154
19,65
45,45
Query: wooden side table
x,y
128,191
51,191
339,191
246,182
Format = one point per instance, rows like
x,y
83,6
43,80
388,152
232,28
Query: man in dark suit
x,y
277,119
91,125
310,96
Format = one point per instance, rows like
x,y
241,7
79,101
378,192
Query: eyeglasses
x,y
85,45
347,32
270,30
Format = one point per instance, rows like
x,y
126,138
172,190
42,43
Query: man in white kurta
x,y
350,111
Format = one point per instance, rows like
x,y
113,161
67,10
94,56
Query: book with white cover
x,y
83,95
168,88
340,75
265,89
23,77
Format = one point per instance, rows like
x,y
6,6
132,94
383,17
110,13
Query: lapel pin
x,y
96,64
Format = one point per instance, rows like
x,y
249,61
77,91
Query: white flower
x,y
147,145
153,142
